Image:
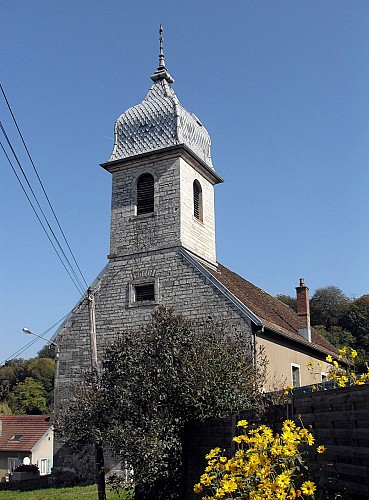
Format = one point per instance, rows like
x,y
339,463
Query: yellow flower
x,y
205,479
353,353
288,425
242,423
212,453
314,388
228,485
329,358
197,488
223,460
321,449
343,350
310,439
283,479
310,364
335,364
320,363
308,488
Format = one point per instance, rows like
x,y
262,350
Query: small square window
x,y
144,292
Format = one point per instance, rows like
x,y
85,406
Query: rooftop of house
x,y
274,314
22,432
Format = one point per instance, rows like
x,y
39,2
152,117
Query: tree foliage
x,y
28,397
153,381
327,306
288,300
356,320
337,336
35,375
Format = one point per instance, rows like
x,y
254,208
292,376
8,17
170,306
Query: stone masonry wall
x,y
197,236
130,233
177,283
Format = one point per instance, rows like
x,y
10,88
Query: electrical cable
x,y
76,284
42,186
33,341
39,206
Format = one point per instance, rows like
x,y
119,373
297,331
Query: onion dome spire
x,y
161,72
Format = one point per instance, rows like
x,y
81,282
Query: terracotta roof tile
x,y
30,427
274,314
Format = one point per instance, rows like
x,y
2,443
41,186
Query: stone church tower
x,y
163,177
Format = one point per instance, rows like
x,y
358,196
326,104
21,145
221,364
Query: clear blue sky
x,y
281,86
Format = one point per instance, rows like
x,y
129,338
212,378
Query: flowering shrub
x,y
343,376
264,467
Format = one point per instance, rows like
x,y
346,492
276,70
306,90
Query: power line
x,y
76,283
33,341
42,186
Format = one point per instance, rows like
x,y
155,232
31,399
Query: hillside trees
x,y
26,386
327,305
356,320
153,381
341,320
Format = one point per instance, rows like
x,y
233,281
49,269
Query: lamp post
x,y
50,342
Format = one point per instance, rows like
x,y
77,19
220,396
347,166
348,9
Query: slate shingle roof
x,y
274,314
159,121
31,428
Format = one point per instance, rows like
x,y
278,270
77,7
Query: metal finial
x,y
161,73
161,51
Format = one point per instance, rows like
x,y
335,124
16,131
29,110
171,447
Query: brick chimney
x,y
303,310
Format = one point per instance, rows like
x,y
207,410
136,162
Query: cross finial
x,y
161,73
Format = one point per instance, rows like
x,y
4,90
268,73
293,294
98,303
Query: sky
x,y
282,86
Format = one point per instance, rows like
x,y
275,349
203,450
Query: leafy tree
x,y
153,381
17,371
327,306
288,300
337,336
28,397
42,370
356,319
8,379
48,351
4,408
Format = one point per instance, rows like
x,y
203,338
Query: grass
x,y
77,492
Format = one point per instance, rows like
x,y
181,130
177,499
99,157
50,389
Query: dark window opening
x,y
145,194
144,292
197,200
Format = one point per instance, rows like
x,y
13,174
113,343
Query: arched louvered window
x,y
145,194
197,200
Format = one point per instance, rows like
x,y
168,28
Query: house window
x,y
145,194
44,466
197,200
144,292
16,437
324,377
13,463
296,380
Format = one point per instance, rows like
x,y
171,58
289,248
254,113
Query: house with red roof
x,y
27,437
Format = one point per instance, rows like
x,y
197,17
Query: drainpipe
x,y
255,353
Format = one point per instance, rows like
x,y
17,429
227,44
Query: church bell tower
x,y
162,177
